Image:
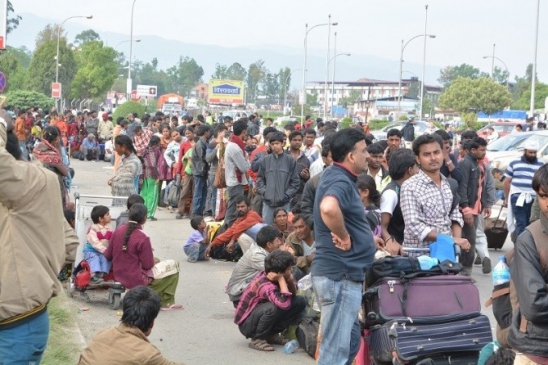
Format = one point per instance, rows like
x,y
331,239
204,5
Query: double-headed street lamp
x,y
303,90
401,64
58,37
501,61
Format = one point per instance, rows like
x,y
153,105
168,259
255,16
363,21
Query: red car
x,y
502,128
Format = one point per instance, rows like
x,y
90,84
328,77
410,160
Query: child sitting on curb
x,y
196,244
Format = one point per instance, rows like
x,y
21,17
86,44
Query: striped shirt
x,y
261,290
521,172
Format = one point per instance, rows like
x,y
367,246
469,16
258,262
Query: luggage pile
x,y
414,316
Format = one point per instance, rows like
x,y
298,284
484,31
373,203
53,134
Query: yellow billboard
x,y
226,92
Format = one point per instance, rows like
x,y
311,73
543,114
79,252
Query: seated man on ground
x,y
196,244
301,241
270,304
128,343
238,231
90,148
252,262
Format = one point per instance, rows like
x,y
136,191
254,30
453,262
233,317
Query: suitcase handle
x,y
498,219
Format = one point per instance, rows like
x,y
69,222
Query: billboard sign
x,y
226,92
56,90
147,91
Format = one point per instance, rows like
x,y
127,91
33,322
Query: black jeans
x,y
267,319
467,258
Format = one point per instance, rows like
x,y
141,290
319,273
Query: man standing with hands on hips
x,y
344,248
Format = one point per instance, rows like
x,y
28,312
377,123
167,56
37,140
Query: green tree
x,y
451,73
284,79
12,23
128,107
24,99
42,67
311,101
255,76
500,76
10,65
96,72
523,84
236,72
49,33
86,36
483,94
541,93
351,99
184,76
413,91
220,72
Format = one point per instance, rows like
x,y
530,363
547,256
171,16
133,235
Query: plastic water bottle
x,y
427,262
305,283
501,272
291,347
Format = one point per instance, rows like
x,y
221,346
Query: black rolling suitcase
x,y
496,232
403,343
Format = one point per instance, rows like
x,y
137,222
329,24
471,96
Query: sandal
x,y
172,307
260,345
276,340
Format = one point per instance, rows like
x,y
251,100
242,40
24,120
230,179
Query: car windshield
x,y
541,140
393,125
506,143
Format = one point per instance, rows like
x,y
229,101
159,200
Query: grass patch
x,y
63,342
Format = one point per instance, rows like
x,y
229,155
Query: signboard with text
x,y
147,90
226,92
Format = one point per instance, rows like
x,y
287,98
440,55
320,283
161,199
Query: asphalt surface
x,y
204,332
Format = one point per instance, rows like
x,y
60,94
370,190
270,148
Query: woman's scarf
x,y
47,154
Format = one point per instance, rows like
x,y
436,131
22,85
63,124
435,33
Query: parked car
x,y
421,128
502,160
502,128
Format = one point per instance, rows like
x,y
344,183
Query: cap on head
x,y
531,145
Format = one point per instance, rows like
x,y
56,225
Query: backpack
x,y
307,335
504,298
374,216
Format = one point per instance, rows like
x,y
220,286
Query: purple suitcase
x,y
422,300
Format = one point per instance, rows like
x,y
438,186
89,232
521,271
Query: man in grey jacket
x,y
269,239
212,159
200,169
236,166
278,179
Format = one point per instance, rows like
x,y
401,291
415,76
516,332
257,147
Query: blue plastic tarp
x,y
505,114
338,111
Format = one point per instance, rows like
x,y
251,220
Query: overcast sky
x,y
465,30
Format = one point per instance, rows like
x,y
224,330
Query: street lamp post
x,y
534,75
127,40
493,63
334,59
129,84
501,61
303,91
58,38
401,64
286,86
326,69
423,62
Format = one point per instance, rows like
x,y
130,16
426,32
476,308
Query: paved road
x,y
204,332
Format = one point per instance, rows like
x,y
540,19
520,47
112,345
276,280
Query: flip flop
x,y
172,307
260,345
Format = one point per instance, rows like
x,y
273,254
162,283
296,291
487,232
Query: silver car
x,y
421,128
502,159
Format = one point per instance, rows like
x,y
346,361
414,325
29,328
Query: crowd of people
x,y
304,200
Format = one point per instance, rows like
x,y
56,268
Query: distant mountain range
x,y
275,56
